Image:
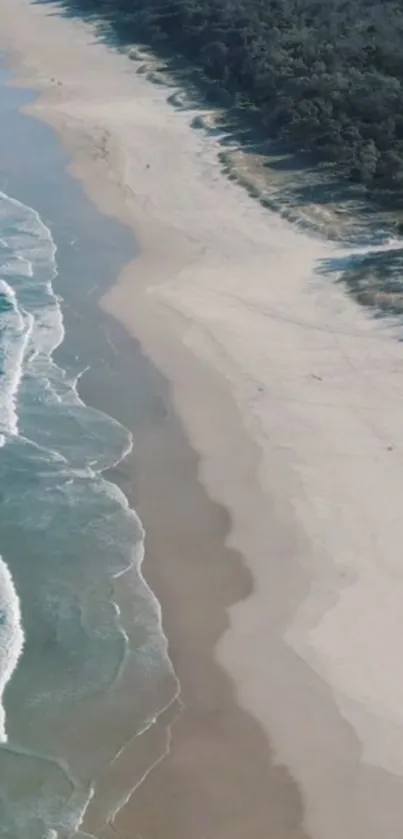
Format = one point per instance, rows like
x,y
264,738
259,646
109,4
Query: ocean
x,y
84,669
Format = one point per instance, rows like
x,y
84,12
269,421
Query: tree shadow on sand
x,y
374,279
298,186
310,194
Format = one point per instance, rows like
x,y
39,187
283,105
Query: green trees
x,y
325,75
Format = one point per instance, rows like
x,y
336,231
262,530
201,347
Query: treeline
x,y
326,76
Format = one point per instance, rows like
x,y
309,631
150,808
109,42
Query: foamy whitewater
x,y
83,662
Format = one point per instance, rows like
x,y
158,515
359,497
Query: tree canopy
x,y
325,76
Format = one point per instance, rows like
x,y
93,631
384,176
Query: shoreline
x,y
270,419
258,793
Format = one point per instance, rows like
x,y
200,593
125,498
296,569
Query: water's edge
x,y
74,350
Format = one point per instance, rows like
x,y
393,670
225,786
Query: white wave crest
x,y
11,636
15,330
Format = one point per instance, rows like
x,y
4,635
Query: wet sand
x,y
281,595
221,777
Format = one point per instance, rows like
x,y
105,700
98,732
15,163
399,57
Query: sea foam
x,y
15,329
11,636
84,537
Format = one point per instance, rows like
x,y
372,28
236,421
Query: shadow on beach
x,y
281,179
311,195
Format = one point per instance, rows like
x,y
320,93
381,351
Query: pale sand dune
x,y
293,397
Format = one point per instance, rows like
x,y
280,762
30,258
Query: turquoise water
x,y
84,669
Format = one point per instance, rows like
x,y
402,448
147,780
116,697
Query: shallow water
x,y
83,660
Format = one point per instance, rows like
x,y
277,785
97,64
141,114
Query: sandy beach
x,y
274,542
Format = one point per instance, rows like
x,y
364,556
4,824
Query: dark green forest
x,y
324,76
